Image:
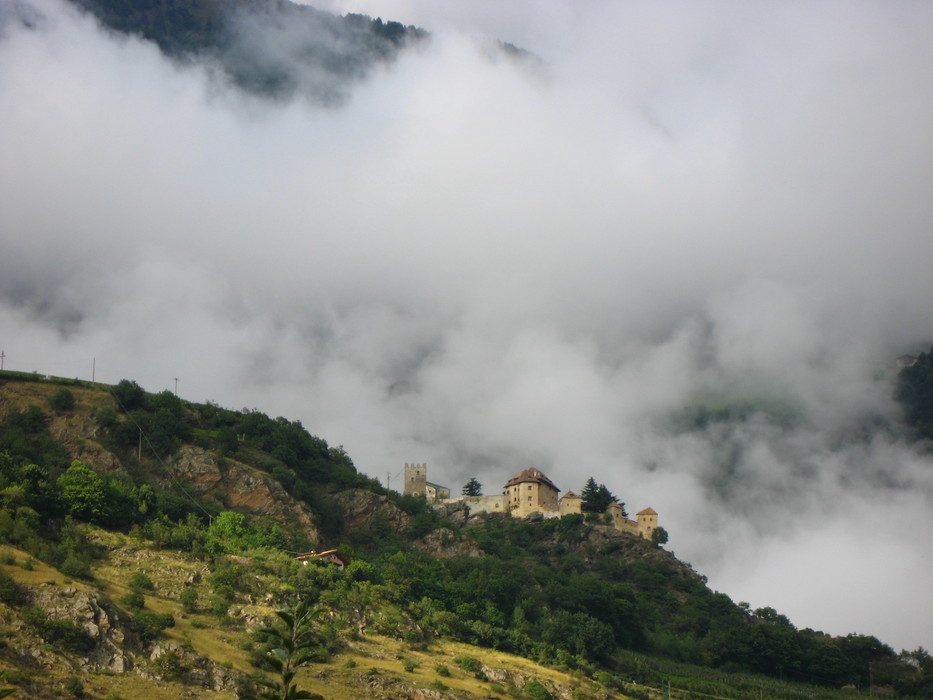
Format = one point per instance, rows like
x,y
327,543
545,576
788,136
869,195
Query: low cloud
x,y
679,254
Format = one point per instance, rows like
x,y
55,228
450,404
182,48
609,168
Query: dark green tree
x,y
659,537
597,497
62,400
472,488
129,395
83,492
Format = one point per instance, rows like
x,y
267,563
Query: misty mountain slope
x,y
220,486
274,49
478,269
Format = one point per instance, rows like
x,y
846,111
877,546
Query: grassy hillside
x,y
166,531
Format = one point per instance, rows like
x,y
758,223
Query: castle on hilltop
x,y
529,491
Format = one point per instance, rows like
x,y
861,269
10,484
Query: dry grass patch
x,y
37,572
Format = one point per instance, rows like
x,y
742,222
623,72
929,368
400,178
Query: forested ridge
x,y
571,593
277,49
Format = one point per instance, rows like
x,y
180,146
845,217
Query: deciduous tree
x,y
294,639
83,492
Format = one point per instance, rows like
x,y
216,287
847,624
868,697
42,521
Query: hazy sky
x,y
488,265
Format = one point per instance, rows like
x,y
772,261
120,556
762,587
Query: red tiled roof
x,y
335,553
530,476
647,511
570,494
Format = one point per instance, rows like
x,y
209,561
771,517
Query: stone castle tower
x,y
416,479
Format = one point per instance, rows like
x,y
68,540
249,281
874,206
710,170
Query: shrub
x,y
11,592
64,634
134,600
442,670
106,417
62,400
537,691
468,663
169,665
189,600
75,687
409,666
140,582
151,624
75,566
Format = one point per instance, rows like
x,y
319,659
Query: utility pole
x,y
2,355
388,479
176,386
93,369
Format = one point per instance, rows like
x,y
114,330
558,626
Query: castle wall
x,y
570,506
484,504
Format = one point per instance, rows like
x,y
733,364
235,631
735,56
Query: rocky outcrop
x,y
171,661
238,485
98,618
172,573
456,511
516,679
446,544
360,507
79,432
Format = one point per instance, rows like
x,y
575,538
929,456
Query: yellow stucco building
x,y
529,491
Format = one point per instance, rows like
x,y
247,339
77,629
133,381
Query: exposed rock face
x,y
445,544
455,511
234,483
98,618
240,486
191,668
389,688
359,507
79,432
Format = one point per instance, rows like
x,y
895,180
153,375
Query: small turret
x,y
647,522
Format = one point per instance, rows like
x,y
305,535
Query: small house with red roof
x,y
331,556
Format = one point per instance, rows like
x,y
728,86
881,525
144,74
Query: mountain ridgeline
x,y
238,494
271,48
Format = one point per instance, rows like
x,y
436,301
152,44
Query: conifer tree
x,y
597,497
472,488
